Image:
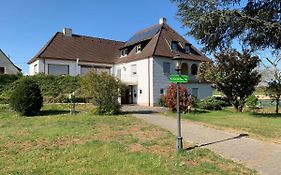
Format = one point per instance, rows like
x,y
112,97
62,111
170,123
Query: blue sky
x,y
27,25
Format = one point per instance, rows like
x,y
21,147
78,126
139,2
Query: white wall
x,y
139,81
161,80
8,66
74,68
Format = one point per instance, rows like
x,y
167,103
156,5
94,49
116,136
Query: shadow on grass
x,y
50,112
267,115
199,111
139,112
218,141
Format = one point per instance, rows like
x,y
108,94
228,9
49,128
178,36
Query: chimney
x,y
162,20
67,32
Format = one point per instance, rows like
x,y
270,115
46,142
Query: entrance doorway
x,y
127,95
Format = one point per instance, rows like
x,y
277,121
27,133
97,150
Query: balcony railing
x,y
128,79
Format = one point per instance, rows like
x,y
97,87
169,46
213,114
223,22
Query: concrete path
x,y
255,154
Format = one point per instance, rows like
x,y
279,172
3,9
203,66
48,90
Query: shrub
x,y
170,98
26,98
211,103
252,102
104,90
161,101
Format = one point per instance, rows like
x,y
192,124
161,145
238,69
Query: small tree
x,y
26,98
252,102
104,90
170,98
273,89
233,74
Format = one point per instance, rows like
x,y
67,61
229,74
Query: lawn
x,y
258,125
58,143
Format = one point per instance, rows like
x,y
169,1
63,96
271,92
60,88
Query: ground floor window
x,y
56,69
2,70
195,92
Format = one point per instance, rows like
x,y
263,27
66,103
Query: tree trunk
x,y
277,105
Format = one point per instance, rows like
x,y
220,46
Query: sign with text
x,y
178,78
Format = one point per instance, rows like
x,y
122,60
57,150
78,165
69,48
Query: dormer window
x,y
138,48
187,48
124,52
174,46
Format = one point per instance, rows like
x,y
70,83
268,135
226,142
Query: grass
x,y
58,143
264,126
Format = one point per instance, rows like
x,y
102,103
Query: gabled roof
x,y
85,48
160,45
156,39
10,60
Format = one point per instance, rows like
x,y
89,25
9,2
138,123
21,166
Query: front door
x,y
127,96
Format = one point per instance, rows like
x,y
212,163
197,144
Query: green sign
x,y
178,78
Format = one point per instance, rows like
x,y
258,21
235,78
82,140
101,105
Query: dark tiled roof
x,y
88,49
157,41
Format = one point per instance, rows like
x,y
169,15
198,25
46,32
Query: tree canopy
x,y
216,23
233,74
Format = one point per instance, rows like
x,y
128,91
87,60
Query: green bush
x,y
6,80
26,98
252,102
104,90
211,103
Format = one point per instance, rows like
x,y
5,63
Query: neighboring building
x,y
144,62
6,65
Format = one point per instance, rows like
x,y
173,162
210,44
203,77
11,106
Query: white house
x,y
6,65
144,62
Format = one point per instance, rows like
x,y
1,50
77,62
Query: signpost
x,y
178,78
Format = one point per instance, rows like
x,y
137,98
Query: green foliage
x,y
6,80
54,89
104,90
252,102
273,90
233,74
211,103
26,98
217,23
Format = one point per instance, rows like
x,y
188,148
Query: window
x,y
2,70
101,69
187,48
166,67
124,52
195,92
174,46
86,69
118,73
138,48
162,91
194,69
134,69
55,69
35,68
184,69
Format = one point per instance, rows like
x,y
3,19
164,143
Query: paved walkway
x,y
258,155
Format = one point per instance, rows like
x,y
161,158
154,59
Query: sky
x,y
26,25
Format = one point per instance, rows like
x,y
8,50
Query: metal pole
x,y
179,139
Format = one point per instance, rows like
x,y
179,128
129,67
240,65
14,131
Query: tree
x,y
273,89
170,98
233,74
216,23
104,89
26,98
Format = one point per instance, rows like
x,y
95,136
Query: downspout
x,y
148,81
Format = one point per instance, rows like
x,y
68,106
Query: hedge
x,y
53,88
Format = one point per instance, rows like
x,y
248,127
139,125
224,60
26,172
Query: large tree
x,y
216,23
233,74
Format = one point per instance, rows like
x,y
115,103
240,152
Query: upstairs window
x,y
194,69
134,69
174,46
124,52
138,48
187,48
2,70
166,67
